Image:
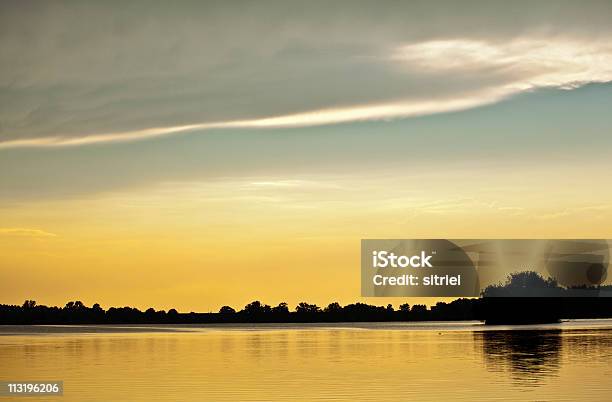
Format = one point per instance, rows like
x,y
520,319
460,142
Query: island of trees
x,y
494,307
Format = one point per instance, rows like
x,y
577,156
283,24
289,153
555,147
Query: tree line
x,y
492,310
498,304
78,313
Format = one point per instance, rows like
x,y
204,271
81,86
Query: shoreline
x,y
440,326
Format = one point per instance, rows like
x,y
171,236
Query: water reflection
x,y
597,344
569,361
529,356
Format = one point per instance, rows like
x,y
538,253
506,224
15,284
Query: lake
x,y
331,362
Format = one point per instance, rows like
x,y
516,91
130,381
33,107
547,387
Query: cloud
x,y
25,232
308,118
533,62
554,128
75,75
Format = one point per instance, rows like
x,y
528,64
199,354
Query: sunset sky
x,y
218,153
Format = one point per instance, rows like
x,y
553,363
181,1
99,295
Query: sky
x,y
212,153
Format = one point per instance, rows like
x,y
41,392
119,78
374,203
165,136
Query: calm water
x,y
367,362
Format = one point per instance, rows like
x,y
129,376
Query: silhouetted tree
x,y
255,308
528,279
282,308
306,308
418,308
333,308
150,314
256,311
491,309
29,304
226,310
526,283
419,312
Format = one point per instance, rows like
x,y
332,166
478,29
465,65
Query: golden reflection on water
x,y
340,364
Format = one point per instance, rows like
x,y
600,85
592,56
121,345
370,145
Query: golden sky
x,y
215,154
197,246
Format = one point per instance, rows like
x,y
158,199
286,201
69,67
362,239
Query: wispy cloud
x,y
309,118
199,67
25,232
530,64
